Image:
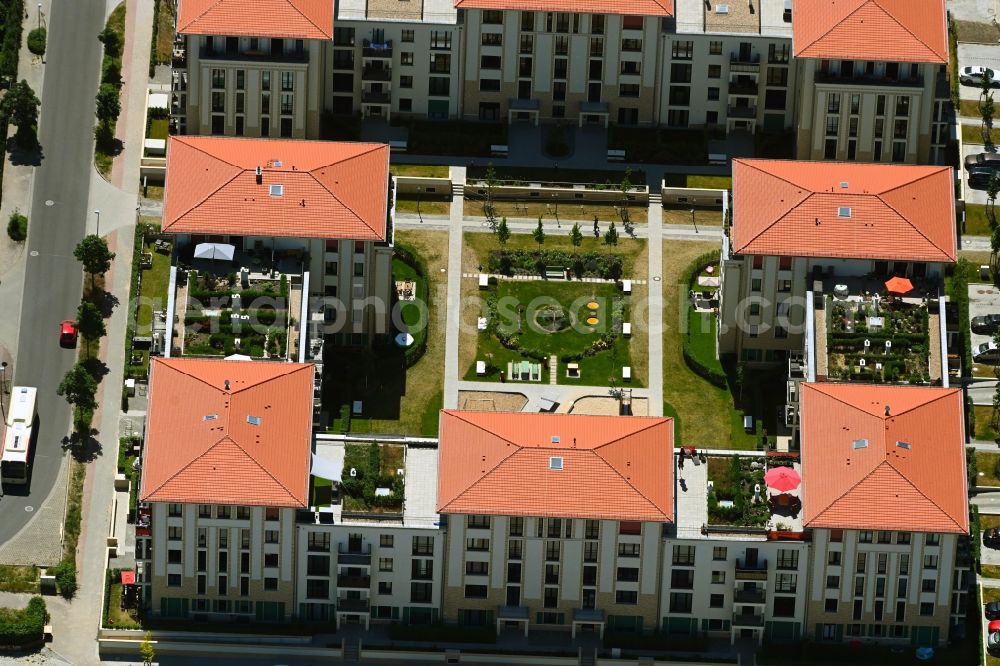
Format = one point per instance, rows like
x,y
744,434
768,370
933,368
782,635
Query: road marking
x,y
34,253
50,202
29,509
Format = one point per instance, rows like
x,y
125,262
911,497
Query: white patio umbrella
x,y
223,251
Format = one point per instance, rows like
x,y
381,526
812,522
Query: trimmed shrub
x,y
36,41
65,573
17,227
23,626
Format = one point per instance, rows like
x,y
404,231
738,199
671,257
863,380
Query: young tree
x,y
146,651
90,322
112,43
624,187
575,235
539,234
489,209
611,235
20,107
503,232
986,84
992,190
108,104
78,387
95,256
995,251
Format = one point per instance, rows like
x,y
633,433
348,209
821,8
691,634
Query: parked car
x,y
988,352
986,324
67,333
980,176
991,537
973,76
993,643
992,610
991,160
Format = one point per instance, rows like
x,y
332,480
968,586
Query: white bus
x,y
18,439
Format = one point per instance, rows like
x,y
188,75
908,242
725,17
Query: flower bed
x,y
905,330
528,262
733,480
375,466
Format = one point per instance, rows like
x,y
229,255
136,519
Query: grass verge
x,y
426,206
106,147
976,221
419,170
988,465
15,578
974,134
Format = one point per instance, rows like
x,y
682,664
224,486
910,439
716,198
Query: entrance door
x,y
513,595
354,543
751,557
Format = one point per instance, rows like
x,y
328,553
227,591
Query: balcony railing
x,y
373,97
370,49
750,597
376,74
742,111
751,570
870,80
744,63
353,605
354,581
207,53
748,620
743,88
357,556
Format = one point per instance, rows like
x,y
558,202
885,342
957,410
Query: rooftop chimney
x,y
226,382
887,410
260,175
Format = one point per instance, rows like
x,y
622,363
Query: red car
x,y
67,333
994,626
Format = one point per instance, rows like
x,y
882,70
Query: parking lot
x,y
970,55
972,195
983,299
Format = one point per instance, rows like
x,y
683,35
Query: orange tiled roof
x,y
891,30
279,19
632,8
614,468
329,189
883,485
789,207
226,459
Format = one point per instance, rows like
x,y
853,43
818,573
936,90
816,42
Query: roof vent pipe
x,y
226,383
260,175
887,410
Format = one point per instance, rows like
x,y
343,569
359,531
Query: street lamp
x,y
555,201
3,386
693,221
419,189
39,16
98,214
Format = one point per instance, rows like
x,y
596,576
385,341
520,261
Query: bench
x,y
555,273
616,155
627,329
499,150
626,286
480,368
484,280
627,373
397,146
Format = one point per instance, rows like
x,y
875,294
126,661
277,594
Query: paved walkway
x,y
455,227
563,394
538,278
654,315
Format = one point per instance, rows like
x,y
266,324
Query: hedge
x,y
36,41
713,375
588,264
23,626
17,227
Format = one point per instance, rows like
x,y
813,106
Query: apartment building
x,y
315,207
886,499
871,80
253,69
554,521
809,226
225,467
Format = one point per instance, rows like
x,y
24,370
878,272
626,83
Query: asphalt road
x,y
53,278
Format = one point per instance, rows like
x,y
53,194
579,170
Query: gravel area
x,y
491,401
607,406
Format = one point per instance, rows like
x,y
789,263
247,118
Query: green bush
x,y
36,41
65,573
608,266
17,227
23,626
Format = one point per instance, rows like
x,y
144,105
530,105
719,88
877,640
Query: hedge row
x,y
608,266
11,13
713,375
23,626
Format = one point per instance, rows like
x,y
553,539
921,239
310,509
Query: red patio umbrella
x,y
782,478
128,577
898,285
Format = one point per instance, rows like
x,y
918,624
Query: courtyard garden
x,y
731,500
224,319
579,323
878,343
400,389
371,483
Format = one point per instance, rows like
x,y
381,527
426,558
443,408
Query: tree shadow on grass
x,y
376,377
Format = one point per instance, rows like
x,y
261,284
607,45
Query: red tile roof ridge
x,y
214,5
820,386
861,6
881,197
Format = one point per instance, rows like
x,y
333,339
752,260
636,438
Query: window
x,y
682,579
590,551
551,597
287,81
788,559
777,76
492,17
270,536
270,559
860,563
270,584
385,564
858,609
902,538
477,568
489,85
833,558
784,286
553,528
173,533
204,511
591,529
630,527
715,48
271,513
317,589
514,572
715,71
406,36
833,103
830,605
677,117
626,597
514,549
755,284
785,582
173,580
904,564
385,587
475,591
423,545
903,106
680,72
627,574
927,608
218,78
477,522
900,611
928,585
933,539
202,585
859,586
833,582
930,561
680,95
784,607
385,540
719,553
682,50
836,536
551,551
420,593
716,600
718,577
680,602
684,555
406,58
406,81
222,512
713,94
319,542
441,39
628,90
174,510
318,565
202,564
901,585
174,556
777,53
243,513
477,544
865,536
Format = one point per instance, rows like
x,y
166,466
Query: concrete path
x,y
454,228
654,314
553,370
563,394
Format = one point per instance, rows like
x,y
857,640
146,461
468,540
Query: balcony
x,y
207,53
359,556
751,570
749,63
352,605
748,620
742,112
750,597
743,88
374,97
376,74
362,581
869,80
370,49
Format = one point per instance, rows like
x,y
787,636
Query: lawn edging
x,y
709,372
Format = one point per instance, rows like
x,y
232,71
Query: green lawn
x,y
692,180
479,245
18,578
154,284
358,456
974,134
969,108
988,465
421,170
976,221
103,154
985,428
427,206
158,128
